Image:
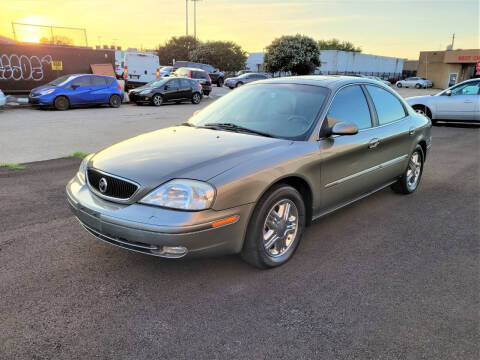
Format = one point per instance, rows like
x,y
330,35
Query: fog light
x,y
171,251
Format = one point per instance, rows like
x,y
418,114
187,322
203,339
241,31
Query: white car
x,y
460,102
416,82
3,99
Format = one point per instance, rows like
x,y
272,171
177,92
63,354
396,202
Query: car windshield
x,y
157,83
62,80
285,111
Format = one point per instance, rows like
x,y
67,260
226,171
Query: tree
x,y
335,44
298,54
223,55
177,48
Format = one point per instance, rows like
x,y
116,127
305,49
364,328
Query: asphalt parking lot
x,y
390,277
32,135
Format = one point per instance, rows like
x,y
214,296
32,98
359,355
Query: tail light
x,y
119,87
125,72
190,74
158,73
199,86
209,78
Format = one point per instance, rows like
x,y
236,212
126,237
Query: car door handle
x,y
373,143
411,131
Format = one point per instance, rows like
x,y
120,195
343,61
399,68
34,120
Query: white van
x,y
140,68
119,55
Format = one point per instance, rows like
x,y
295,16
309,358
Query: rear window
x,y
99,81
388,107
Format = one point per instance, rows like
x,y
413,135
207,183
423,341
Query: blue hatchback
x,y
77,90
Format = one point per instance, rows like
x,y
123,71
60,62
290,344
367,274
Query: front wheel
x,y
418,86
410,179
115,101
157,100
239,84
275,228
61,103
399,85
196,98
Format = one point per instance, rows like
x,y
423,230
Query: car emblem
x,y
102,185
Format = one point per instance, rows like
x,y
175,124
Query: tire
x,y
238,84
255,248
157,100
418,86
422,109
399,85
61,103
415,168
196,98
115,101
220,82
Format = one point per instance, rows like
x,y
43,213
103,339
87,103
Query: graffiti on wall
x,y
21,67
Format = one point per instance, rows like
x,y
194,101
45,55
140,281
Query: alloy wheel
x,y
413,171
196,98
157,100
280,228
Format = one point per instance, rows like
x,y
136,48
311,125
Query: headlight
x,y
46,92
182,194
144,92
83,167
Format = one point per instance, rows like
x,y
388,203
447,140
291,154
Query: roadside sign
x,y
57,65
478,66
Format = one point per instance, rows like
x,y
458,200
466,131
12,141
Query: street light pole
x,y
186,16
195,18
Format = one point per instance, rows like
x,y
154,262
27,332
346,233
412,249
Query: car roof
x,y
329,81
191,68
78,75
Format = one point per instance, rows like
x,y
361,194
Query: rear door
x,y
79,90
185,88
394,132
99,93
462,104
348,161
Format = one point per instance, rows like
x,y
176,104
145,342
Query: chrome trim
x,y
363,172
110,198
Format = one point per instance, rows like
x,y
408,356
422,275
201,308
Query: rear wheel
x,y
115,101
275,228
61,103
410,180
157,100
220,82
196,98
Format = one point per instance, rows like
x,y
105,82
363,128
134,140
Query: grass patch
x,y
77,154
12,166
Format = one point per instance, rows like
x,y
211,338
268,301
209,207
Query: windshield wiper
x,y
236,128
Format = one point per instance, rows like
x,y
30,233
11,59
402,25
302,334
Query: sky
x,y
400,28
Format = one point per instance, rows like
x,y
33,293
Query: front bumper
x,y
42,100
151,230
140,98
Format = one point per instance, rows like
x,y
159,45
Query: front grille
x,y
115,187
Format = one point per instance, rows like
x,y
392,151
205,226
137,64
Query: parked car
x,y
247,173
140,68
416,82
460,102
241,72
3,99
244,79
199,75
166,71
216,76
167,90
78,89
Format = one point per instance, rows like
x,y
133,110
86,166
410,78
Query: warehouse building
x,y
334,62
446,68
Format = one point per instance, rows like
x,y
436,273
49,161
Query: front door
x,y
462,103
172,90
79,90
348,161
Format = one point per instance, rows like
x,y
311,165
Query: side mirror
x,y
74,87
344,128
448,93
166,87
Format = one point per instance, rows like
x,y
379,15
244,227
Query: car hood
x,y
43,87
181,152
417,99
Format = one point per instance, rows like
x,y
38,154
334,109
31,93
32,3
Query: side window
x,y
388,107
98,81
173,84
350,105
184,83
83,81
471,88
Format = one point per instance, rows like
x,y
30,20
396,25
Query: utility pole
x,y
186,16
453,40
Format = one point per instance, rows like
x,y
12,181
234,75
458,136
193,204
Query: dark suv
x,y
217,77
199,75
